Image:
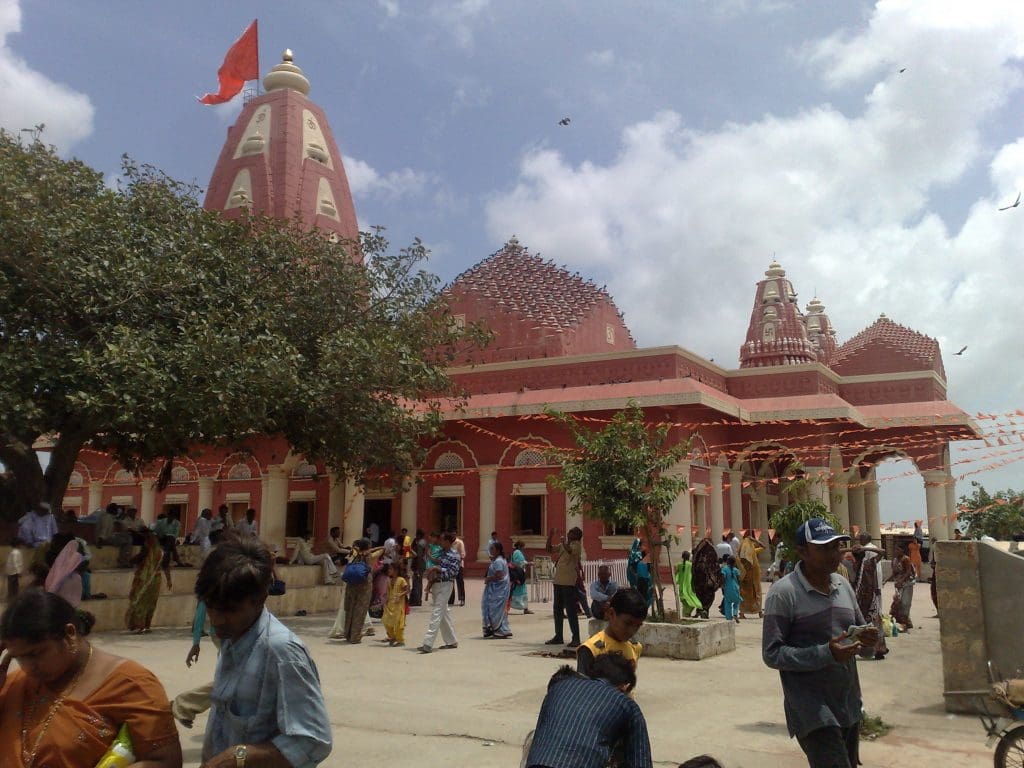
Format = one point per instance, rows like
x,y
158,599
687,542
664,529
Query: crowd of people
x,y
77,691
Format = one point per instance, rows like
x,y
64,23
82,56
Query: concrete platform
x,y
474,705
691,639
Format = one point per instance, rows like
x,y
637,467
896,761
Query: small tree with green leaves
x,y
620,475
786,520
999,514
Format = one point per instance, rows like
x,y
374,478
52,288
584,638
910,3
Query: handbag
x,y
356,573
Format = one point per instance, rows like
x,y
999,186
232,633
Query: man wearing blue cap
x,y
806,617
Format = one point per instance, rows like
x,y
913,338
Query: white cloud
x,y
458,18
729,9
390,7
28,97
843,200
603,58
364,179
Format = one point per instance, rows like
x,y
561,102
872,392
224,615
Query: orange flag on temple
x,y
241,63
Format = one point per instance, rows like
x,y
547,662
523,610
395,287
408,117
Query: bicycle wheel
x,y
1010,749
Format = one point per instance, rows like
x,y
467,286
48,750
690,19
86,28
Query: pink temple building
x,y
839,409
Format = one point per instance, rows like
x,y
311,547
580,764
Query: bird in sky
x,y
903,70
1015,204
962,350
564,121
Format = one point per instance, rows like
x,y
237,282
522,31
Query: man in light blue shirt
x,y
266,705
38,526
601,591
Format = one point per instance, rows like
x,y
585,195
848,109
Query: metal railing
x,y
541,573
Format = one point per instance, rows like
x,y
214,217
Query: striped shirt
x,y
450,564
799,622
582,720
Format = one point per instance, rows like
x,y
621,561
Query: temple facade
x,y
559,341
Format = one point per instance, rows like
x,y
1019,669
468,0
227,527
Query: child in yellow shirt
x,y
625,613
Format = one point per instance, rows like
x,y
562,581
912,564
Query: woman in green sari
x,y
145,586
684,580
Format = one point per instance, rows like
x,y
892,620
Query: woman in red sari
x,y
67,700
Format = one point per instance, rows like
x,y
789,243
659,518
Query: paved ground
x,y
474,705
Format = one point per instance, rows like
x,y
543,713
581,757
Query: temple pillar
x,y
858,517
488,510
204,497
735,499
816,479
872,518
274,507
717,506
95,496
760,518
352,516
839,501
677,521
147,503
951,505
935,501
573,516
409,501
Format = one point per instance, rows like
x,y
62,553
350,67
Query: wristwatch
x,y
240,753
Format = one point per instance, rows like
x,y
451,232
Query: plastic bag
x,y
121,752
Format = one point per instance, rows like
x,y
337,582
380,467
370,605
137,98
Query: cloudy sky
x,y
866,145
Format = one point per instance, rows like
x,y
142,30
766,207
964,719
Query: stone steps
x,y
176,606
117,582
177,610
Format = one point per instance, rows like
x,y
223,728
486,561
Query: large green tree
x,y
135,322
999,515
620,474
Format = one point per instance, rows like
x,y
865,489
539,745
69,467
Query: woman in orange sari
x,y
145,586
65,704
750,575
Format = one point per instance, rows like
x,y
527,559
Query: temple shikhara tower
x,y
797,394
280,159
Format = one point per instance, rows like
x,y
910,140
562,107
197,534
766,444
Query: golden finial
x,y
288,55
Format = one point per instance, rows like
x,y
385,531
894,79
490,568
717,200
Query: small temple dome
x,y
815,306
286,75
775,270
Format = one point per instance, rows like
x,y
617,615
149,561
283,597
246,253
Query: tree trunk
x,y
29,484
62,463
672,576
26,484
654,550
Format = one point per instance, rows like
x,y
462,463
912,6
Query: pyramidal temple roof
x,y
864,352
517,281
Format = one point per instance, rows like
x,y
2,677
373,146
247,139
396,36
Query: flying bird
x,y
564,121
1015,204
903,70
962,350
